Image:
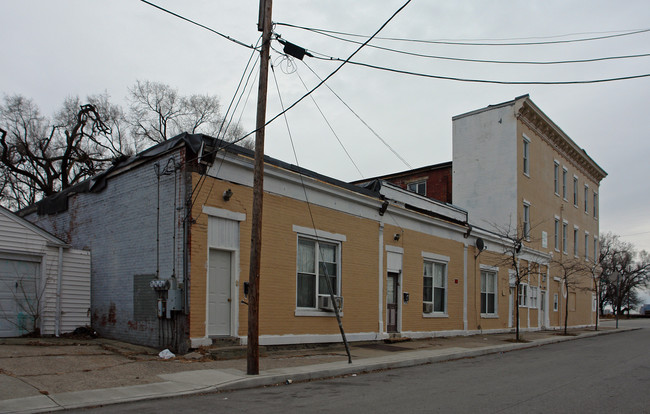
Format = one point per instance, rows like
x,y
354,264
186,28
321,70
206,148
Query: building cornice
x,y
531,116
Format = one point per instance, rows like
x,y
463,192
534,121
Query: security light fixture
x,y
227,194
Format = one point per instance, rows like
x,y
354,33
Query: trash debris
x,y
289,381
354,375
166,354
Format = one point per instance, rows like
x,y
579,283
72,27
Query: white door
x,y
18,299
219,296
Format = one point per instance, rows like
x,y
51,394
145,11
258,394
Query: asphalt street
x,y
605,374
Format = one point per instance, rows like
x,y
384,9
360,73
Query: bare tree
x,y
158,112
633,268
28,301
513,238
573,273
40,157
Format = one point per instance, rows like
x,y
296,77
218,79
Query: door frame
x,y
394,255
234,294
396,276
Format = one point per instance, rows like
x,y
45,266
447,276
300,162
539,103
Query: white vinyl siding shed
x,y
38,269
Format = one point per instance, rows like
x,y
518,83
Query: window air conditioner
x,y
427,307
325,303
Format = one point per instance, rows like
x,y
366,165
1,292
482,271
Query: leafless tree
x,y
28,301
633,268
574,275
158,112
513,247
40,156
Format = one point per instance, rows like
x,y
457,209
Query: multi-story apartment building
x,y
516,171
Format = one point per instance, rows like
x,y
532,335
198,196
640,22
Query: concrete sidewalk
x,y
50,374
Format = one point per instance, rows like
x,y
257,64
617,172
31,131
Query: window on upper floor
x,y
419,187
557,235
575,191
318,262
586,199
596,256
565,174
556,177
526,213
575,241
434,295
526,148
488,292
564,238
595,204
586,246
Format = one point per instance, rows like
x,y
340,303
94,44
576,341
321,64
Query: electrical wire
x,y
465,43
327,122
499,82
361,119
509,62
198,24
383,141
328,76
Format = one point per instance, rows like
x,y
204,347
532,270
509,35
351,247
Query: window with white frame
x,y
526,148
523,295
586,199
556,177
596,256
575,191
534,291
555,302
488,292
586,246
595,204
419,187
434,295
594,303
526,213
564,237
557,235
575,241
565,174
318,262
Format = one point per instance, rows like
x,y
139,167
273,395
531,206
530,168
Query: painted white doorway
x,y
219,292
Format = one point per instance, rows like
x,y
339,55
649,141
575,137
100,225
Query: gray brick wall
x,y
118,225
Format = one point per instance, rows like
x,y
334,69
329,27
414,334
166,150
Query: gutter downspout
x,y
59,276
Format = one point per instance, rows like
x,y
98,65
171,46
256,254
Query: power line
x,y
331,74
198,24
464,43
511,62
328,124
453,78
361,119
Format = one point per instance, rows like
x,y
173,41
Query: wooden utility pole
x,y
253,351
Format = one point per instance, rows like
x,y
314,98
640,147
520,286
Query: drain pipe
x,y
59,276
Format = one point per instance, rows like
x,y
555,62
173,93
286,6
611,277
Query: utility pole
x,y
253,351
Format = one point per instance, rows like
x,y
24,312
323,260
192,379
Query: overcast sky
x,y
54,49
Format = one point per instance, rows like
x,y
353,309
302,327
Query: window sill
x,y
435,315
315,312
526,174
489,316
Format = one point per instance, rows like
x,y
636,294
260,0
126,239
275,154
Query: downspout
x,y
59,276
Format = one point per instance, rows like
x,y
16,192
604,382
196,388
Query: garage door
x,y
18,287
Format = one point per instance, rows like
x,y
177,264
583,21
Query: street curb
x,y
238,380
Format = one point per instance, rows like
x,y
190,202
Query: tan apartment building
x,y
169,231
516,171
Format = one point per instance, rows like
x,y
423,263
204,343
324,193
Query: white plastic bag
x,y
166,354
